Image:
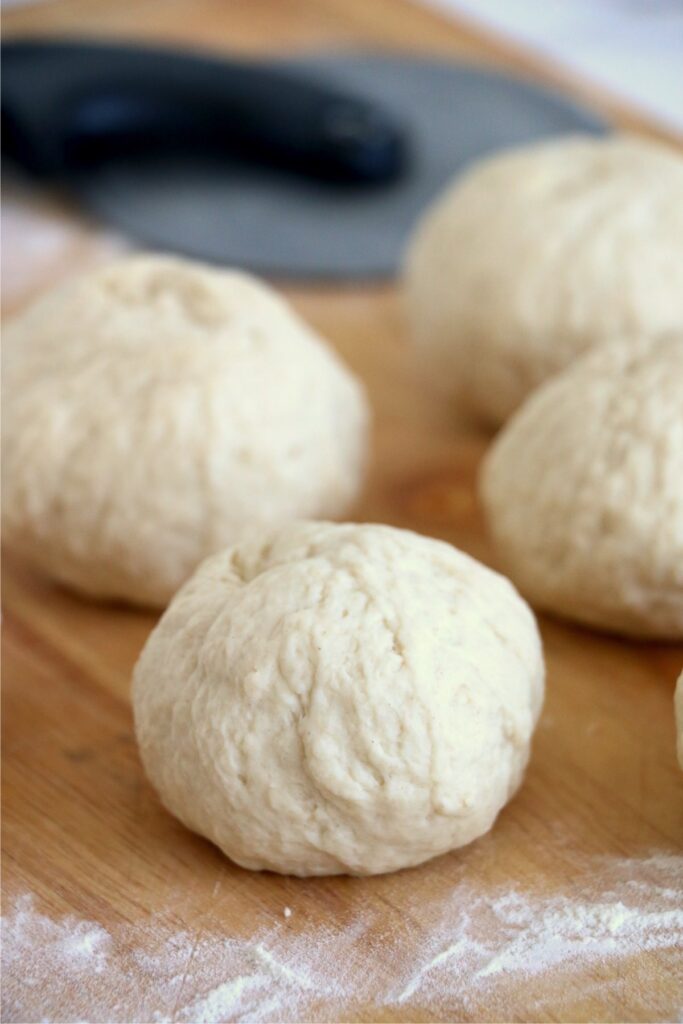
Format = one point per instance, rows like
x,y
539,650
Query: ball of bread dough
x,y
539,254
156,407
679,718
326,699
584,490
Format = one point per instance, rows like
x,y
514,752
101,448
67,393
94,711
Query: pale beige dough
x,y
155,408
327,699
540,253
583,490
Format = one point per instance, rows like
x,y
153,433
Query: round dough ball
x,y
539,254
583,490
155,408
325,699
679,718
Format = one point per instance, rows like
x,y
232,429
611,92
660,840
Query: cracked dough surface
x,y
583,490
539,254
154,408
326,699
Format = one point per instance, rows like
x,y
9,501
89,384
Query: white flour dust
x,y
469,959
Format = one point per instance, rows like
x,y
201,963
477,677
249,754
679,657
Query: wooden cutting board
x,y
570,909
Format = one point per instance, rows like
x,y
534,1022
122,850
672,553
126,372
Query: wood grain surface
x,y
84,833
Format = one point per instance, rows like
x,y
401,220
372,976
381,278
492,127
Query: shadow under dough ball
x,y
679,719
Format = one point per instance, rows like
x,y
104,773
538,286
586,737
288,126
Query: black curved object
x,y
68,106
314,167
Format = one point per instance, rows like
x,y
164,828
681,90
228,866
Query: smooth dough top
x,y
584,490
331,698
154,408
540,253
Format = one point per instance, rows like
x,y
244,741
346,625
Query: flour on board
x,y
465,962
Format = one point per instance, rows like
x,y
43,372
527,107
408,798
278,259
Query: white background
x,y
632,47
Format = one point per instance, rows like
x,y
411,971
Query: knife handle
x,y
68,105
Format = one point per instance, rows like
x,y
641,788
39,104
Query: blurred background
x,y
396,110
631,47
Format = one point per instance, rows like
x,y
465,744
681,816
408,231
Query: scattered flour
x,y
81,945
463,956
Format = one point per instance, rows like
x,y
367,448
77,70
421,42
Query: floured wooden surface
x,y
570,909
464,953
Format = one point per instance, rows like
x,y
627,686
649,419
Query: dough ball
x,y
679,718
155,408
325,699
583,490
539,254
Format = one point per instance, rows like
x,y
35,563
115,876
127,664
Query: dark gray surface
x,y
290,227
